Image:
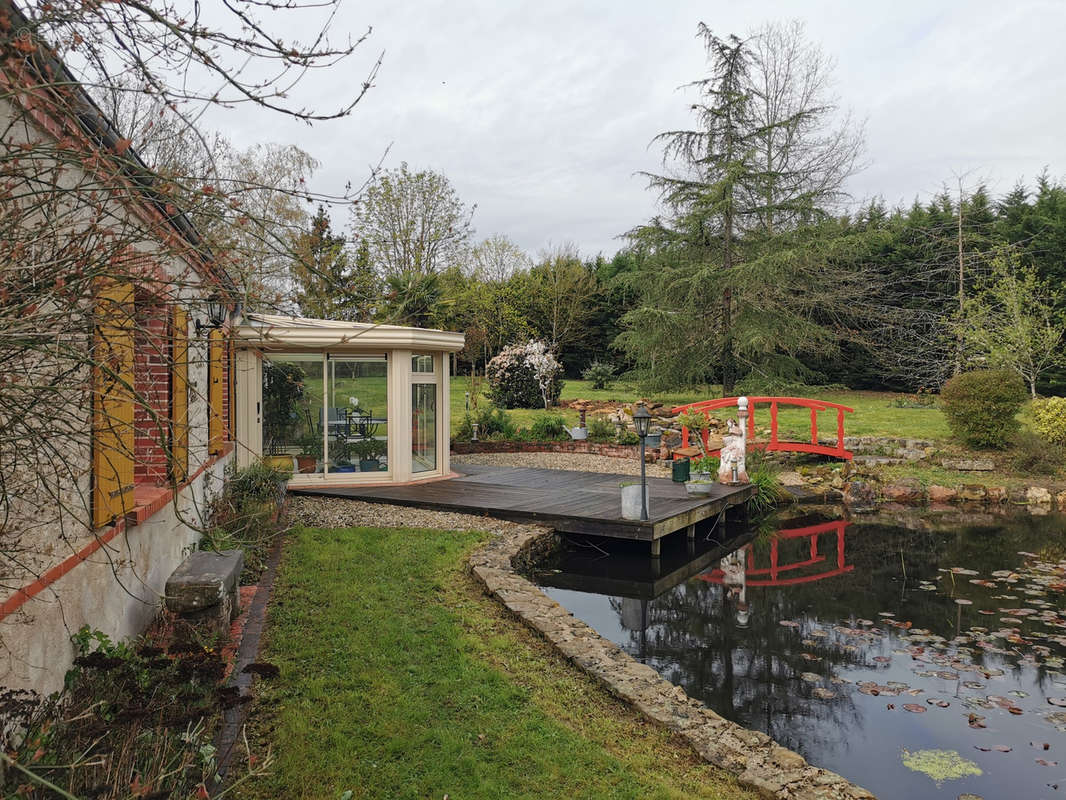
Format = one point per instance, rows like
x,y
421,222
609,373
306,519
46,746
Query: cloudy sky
x,y
542,112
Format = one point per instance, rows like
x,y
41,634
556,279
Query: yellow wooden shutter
x,y
231,376
214,392
179,395
113,395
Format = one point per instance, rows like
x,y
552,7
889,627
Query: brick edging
x,y
756,760
591,448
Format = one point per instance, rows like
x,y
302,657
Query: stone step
x,y
203,589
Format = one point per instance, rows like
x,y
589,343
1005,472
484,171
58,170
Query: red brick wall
x,y
151,376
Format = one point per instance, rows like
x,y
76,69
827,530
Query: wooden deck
x,y
571,502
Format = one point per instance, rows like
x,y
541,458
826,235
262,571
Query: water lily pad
x,y
824,694
914,708
810,677
940,765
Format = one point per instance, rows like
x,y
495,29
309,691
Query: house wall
x,y
116,589
56,572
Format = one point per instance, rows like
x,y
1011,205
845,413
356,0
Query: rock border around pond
x,y
754,758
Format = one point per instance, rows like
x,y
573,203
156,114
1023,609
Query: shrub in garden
x,y
1033,454
524,376
600,429
980,406
548,428
241,516
599,374
1049,419
493,423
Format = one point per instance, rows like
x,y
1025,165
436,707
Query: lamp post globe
x,y
641,420
216,311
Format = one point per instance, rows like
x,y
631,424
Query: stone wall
x,y
758,762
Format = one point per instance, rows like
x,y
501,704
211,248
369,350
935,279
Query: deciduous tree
x,y
412,222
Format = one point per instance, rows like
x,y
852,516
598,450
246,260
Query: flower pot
x,y
631,501
343,468
279,462
306,463
700,476
698,489
653,440
369,464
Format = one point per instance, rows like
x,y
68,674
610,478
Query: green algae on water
x,y
940,765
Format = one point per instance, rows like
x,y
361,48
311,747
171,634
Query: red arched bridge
x,y
780,574
775,442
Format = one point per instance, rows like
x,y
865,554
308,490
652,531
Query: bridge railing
x,y
776,443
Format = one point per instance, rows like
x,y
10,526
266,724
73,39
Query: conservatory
x,y
343,403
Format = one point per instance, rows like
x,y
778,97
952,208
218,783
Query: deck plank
x,y
568,500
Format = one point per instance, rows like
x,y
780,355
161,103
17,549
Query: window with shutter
x,y
113,403
179,399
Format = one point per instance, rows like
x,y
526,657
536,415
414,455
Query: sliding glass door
x,y
423,413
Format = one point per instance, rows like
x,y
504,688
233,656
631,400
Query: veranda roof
x,y
277,332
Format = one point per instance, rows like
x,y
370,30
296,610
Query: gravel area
x,y
340,512
583,462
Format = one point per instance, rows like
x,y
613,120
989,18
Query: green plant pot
x,y
369,464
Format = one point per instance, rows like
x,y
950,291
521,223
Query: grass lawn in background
x,y
875,412
400,679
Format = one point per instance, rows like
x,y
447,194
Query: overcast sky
x,y
542,112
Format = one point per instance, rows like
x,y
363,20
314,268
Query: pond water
x,y
918,656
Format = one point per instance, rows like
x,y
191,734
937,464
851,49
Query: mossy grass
x,y
401,679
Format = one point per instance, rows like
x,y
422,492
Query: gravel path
x,y
340,512
584,462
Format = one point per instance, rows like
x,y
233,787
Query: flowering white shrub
x,y
524,376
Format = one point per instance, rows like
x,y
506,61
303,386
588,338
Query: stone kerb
x,y
753,757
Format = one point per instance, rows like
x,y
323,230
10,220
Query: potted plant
x,y
283,389
342,456
369,451
310,452
704,468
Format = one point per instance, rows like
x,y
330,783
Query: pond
x,y
918,656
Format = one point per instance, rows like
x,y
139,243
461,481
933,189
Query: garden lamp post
x,y
642,420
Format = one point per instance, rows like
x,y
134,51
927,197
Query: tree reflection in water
x,y
706,636
780,632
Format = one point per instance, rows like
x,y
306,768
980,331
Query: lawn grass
x,y
875,413
400,679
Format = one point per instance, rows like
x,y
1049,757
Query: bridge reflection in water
x,y
771,575
725,557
